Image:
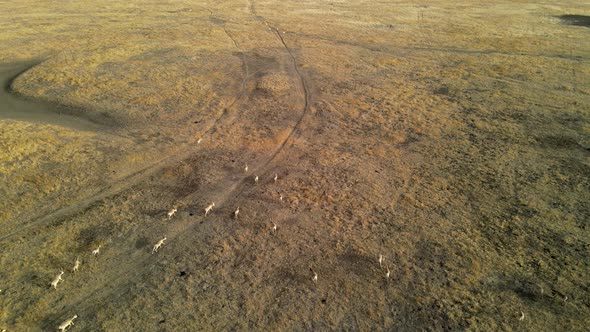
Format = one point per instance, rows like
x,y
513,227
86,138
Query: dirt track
x,y
453,139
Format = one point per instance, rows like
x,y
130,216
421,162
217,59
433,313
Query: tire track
x,y
385,48
101,194
136,177
306,96
260,169
301,78
219,22
132,179
179,154
131,263
402,51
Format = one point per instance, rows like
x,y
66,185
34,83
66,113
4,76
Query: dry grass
x,y
453,138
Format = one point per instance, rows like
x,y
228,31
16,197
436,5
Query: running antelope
x,y
76,265
96,251
171,213
158,245
209,208
67,323
57,279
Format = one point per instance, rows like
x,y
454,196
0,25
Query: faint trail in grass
x,y
225,191
130,263
398,49
126,182
301,79
306,96
402,51
175,156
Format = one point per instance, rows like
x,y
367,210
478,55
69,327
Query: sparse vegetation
x,y
449,138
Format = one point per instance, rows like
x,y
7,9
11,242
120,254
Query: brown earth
x,y
452,138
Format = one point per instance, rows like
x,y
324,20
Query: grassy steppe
x,y
451,137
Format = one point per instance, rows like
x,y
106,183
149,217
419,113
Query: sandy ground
x,y
452,138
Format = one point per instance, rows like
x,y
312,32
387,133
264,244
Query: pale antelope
x,y
246,169
274,227
67,323
76,265
275,177
380,260
315,276
256,179
171,213
388,273
209,208
158,245
57,279
96,251
236,212
521,316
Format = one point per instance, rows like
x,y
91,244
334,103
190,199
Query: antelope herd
x,y
171,213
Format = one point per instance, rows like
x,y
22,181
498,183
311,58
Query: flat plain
x,y
451,137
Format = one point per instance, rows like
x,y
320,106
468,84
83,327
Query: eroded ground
x,y
450,137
